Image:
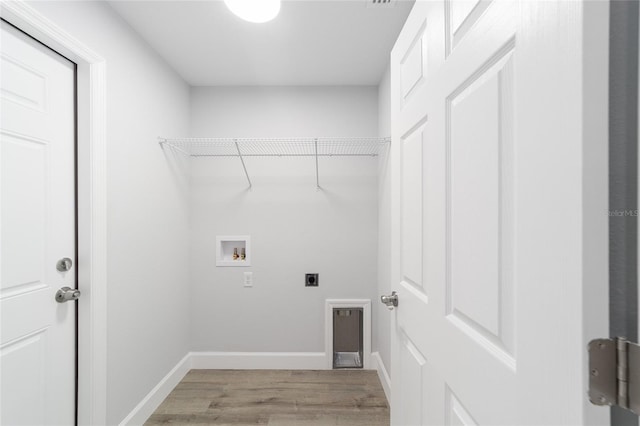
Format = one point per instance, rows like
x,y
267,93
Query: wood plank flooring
x,y
275,398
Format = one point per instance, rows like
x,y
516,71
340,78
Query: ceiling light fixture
x,y
257,11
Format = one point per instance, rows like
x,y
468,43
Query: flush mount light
x,y
257,11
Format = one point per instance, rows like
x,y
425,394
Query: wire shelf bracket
x,y
243,165
315,142
277,147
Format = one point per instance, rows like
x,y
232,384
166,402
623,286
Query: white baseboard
x,y
259,360
377,364
152,401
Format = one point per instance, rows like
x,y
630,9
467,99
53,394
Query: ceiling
x,y
311,42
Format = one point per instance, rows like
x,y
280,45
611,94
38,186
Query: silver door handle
x,y
391,301
66,294
64,264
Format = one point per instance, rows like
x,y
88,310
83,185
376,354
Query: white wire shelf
x,y
276,147
280,147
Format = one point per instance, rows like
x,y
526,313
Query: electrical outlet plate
x,y
311,280
248,279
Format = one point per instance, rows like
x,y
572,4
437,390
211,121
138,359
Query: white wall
x,y
294,228
147,205
384,223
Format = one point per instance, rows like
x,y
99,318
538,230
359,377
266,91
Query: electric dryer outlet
x,y
311,280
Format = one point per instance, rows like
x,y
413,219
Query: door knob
x,y
64,264
391,301
66,294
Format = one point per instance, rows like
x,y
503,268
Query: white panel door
x,y
490,172
37,228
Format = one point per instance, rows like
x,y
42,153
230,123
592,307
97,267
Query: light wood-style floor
x,y
275,397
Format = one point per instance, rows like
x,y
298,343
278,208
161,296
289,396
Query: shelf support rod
x,y
235,141
315,141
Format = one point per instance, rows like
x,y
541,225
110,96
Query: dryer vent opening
x,y
347,338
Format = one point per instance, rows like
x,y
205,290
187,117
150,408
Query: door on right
x,y
499,177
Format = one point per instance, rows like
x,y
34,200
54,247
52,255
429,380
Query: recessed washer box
x,y
227,246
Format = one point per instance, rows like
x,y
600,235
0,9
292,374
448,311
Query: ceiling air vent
x,y
381,3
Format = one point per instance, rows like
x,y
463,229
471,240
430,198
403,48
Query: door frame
x,y
91,204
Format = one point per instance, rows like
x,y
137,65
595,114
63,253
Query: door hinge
x,y
614,376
